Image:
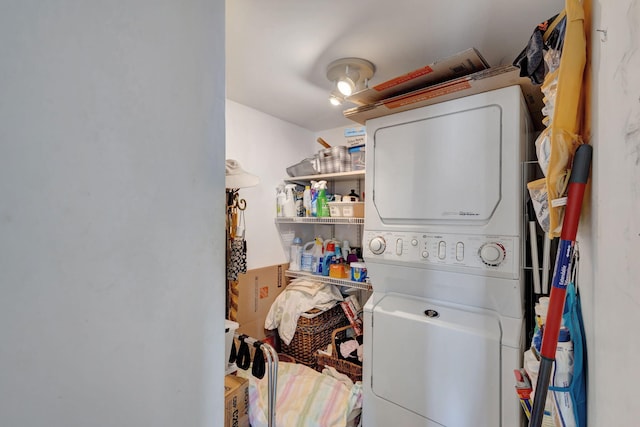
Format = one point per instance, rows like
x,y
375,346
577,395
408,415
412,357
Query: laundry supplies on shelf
x,y
317,197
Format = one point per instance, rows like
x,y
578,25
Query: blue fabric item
x,y
572,318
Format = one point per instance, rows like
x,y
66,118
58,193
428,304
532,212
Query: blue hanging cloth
x,y
572,319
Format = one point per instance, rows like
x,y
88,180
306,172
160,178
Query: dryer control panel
x,y
489,255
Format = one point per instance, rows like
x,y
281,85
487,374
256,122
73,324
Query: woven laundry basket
x,y
313,332
350,369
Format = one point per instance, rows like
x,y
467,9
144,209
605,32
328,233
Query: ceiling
x,y
278,50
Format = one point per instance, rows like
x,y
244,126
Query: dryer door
x,y
443,168
441,362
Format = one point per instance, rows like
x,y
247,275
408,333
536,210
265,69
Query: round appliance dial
x,y
377,245
492,253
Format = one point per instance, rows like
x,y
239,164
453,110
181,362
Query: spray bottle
x,y
323,206
314,198
306,200
289,204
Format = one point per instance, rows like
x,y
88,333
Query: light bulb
x,y
334,100
346,86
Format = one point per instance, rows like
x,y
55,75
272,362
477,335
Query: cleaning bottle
x,y
329,256
314,198
295,259
289,204
306,200
280,198
306,261
323,206
316,260
346,249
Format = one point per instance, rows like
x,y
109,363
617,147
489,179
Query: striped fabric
x,y
305,398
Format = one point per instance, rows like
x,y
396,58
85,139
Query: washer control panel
x,y
482,254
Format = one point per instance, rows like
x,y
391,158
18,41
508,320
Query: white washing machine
x,y
443,246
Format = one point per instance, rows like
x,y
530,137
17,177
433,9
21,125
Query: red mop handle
x,y
575,196
577,184
561,277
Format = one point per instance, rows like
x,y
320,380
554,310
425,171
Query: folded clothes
x,y
299,296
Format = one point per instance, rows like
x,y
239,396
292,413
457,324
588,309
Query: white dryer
x,y
443,247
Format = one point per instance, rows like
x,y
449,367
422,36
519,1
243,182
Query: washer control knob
x,y
425,254
377,245
492,253
414,242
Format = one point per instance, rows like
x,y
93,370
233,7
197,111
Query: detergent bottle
x,y
323,206
289,204
316,259
307,257
329,256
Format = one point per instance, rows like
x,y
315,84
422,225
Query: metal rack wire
x,y
321,220
365,286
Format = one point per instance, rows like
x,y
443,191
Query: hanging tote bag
x,y
237,252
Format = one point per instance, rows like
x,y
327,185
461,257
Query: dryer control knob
x,y
377,245
492,253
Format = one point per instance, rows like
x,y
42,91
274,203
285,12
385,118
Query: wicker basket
x,y
350,369
313,332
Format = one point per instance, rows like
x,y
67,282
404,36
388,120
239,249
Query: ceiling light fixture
x,y
350,75
335,99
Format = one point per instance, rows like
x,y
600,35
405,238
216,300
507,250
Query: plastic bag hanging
x,y
531,60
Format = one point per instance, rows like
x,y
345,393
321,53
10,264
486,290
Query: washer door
x,y
438,361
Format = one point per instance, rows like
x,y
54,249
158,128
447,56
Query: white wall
x,y
111,213
265,146
610,231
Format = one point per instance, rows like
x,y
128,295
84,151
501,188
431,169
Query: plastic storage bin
x,y
308,166
346,209
357,154
334,160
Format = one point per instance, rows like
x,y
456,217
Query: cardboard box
x,y
355,136
482,81
236,401
457,65
258,289
351,311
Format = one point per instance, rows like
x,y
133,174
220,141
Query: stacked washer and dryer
x,y
443,244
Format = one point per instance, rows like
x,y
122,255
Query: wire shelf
x,y
338,176
323,220
365,286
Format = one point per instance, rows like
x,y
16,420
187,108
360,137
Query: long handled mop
x,y
561,277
